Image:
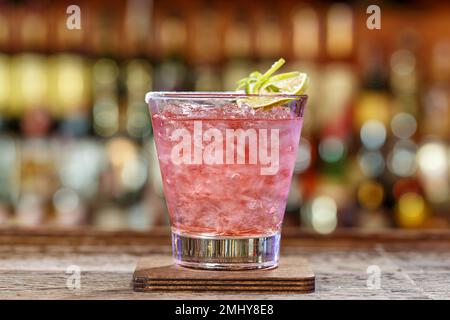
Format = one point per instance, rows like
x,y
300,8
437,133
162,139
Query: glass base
x,y
226,253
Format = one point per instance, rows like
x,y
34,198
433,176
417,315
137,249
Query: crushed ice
x,y
227,111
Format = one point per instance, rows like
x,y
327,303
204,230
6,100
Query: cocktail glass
x,y
226,170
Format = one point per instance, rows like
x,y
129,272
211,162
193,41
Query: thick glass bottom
x,y
226,253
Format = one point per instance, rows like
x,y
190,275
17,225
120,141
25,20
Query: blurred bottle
x,y
206,35
138,81
122,186
30,109
105,85
268,34
38,178
171,72
29,68
9,176
339,31
237,35
104,28
207,49
404,73
433,153
370,127
5,88
138,27
237,46
69,93
33,27
436,98
5,62
5,27
138,71
305,32
70,99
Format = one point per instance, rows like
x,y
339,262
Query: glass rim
x,y
204,95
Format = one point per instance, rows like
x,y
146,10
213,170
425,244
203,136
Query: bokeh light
x,y
402,159
370,194
134,174
373,134
411,210
403,125
303,159
324,214
66,200
371,163
106,117
105,72
30,81
403,62
437,190
405,185
331,149
432,159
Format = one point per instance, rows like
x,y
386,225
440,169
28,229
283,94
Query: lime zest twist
x,y
293,83
266,76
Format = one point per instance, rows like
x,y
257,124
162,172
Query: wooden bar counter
x,y
411,264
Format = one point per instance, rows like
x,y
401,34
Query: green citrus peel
x,y
289,83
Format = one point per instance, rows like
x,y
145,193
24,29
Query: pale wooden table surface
x,y
33,263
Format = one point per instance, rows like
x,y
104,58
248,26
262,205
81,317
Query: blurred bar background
x,y
76,145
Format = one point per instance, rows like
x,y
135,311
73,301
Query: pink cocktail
x,y
226,171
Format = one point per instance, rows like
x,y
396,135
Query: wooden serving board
x,y
292,275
